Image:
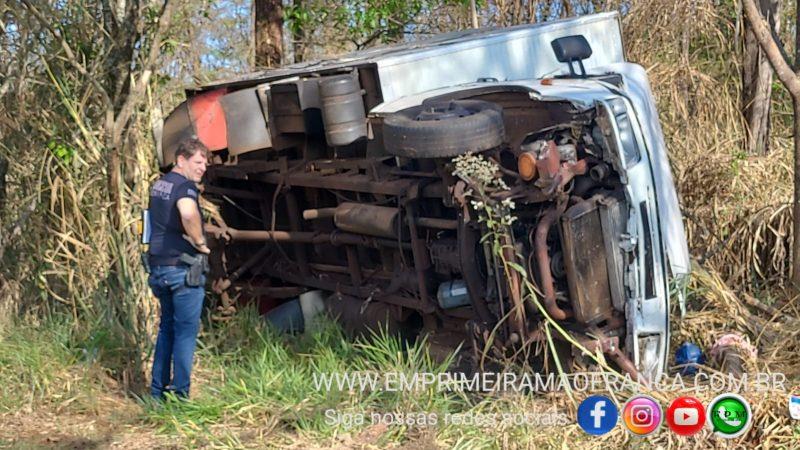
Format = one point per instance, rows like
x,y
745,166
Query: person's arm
x,y
192,223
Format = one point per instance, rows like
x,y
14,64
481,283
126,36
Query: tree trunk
x,y
566,9
796,200
3,172
473,12
268,32
792,83
757,82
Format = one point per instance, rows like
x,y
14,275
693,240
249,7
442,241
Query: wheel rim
x,y
443,111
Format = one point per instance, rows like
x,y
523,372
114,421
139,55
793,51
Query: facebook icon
x,y
597,415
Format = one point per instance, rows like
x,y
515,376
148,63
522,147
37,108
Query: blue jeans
x,y
181,306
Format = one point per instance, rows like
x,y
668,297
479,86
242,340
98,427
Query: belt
x,y
166,261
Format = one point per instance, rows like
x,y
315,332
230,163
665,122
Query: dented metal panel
x,y
513,53
177,127
246,125
670,217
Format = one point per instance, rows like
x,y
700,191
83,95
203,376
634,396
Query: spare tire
x,y
444,129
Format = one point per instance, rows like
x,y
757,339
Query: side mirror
x,y
571,49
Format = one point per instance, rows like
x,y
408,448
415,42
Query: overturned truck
x,y
338,176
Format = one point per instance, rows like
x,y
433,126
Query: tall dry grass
x,y
61,255
736,206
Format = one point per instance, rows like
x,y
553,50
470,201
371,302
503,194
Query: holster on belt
x,y
198,266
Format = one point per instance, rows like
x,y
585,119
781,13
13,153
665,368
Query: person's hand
x,y
200,247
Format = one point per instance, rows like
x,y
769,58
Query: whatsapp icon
x,y
729,415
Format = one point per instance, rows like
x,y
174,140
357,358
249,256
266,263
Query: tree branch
x,y
375,35
71,58
109,17
138,89
764,37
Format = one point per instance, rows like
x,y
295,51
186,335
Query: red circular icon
x,y
686,416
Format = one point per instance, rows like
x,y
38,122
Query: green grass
x,y
268,382
253,388
52,364
32,362
256,388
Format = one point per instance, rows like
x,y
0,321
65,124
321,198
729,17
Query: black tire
x,y
444,129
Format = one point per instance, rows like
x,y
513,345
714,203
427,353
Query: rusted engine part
x,y
278,269
609,345
381,221
303,237
541,158
551,166
590,234
543,262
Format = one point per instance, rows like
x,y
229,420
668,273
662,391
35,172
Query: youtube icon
x,y
686,416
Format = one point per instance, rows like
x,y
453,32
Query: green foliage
x,y
269,378
33,359
360,22
251,381
62,151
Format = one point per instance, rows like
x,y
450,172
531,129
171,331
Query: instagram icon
x,y
642,415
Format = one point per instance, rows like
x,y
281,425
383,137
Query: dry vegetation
x,y
58,247
736,205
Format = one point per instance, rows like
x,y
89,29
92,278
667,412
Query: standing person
x,y
178,262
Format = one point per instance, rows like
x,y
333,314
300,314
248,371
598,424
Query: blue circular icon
x,y
597,415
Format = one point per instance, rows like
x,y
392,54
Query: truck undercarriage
x,y
408,189
398,242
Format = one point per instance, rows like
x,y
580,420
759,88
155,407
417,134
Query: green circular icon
x,y
729,415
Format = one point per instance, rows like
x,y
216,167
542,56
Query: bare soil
x,y
117,428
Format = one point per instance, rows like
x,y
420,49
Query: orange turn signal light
x,y
526,166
